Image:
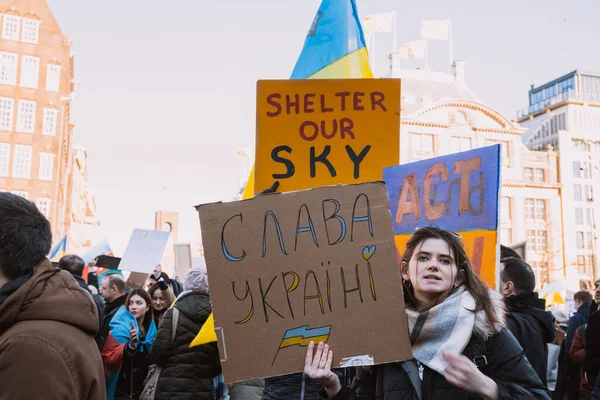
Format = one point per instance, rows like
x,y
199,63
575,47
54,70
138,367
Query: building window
x,y
539,175
577,192
4,158
579,216
580,145
43,205
505,208
590,240
421,144
30,71
24,194
31,30
50,117
53,78
8,67
588,216
506,236
586,169
535,209
537,240
46,166
22,161
576,169
581,265
580,242
26,116
459,144
528,172
10,28
6,113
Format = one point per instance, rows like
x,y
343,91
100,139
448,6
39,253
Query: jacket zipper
x,y
420,370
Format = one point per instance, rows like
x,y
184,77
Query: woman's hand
x,y
464,374
133,337
319,368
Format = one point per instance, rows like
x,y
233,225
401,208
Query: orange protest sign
x,y
313,133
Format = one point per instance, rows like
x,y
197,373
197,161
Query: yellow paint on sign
x,y
313,133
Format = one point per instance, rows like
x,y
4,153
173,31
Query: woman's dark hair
x,y
149,316
151,291
465,274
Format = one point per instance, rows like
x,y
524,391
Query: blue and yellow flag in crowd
x,y
334,48
59,250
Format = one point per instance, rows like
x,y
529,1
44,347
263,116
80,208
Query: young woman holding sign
x,y
461,347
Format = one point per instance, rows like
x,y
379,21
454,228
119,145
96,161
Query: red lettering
x,y
342,96
324,108
271,101
289,104
315,128
377,99
464,168
308,103
358,100
334,131
433,212
346,125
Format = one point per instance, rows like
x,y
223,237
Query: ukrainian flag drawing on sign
x,y
302,336
334,48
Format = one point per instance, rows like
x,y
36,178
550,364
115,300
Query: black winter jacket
x,y
97,300
289,387
187,373
110,309
506,365
592,349
533,328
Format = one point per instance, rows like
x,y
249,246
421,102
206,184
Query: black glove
x,y
162,285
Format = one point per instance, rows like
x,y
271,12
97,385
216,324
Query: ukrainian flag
x,y
334,48
302,336
59,250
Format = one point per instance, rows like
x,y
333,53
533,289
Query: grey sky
x,y
167,88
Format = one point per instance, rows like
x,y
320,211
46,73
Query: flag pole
x,y
451,44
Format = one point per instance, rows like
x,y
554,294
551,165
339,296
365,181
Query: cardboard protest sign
x,y
144,250
318,132
288,268
458,192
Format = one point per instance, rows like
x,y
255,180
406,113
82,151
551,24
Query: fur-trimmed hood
x,y
482,328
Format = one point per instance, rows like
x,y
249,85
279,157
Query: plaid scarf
x,y
445,328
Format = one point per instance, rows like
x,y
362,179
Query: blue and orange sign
x,y
458,192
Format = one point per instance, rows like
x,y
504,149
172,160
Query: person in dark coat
x,y
591,365
188,373
583,301
481,358
113,291
532,326
74,265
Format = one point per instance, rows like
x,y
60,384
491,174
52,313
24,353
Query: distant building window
x,y
8,68
535,209
22,161
53,78
30,72
581,265
4,158
539,175
459,144
50,118
31,30
421,145
537,240
590,240
26,116
10,27
528,173
579,216
46,166
43,205
576,169
588,216
580,240
505,208
6,113
24,194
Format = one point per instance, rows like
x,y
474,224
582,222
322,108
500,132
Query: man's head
x,y
112,287
157,271
72,263
597,291
581,298
25,237
506,252
516,277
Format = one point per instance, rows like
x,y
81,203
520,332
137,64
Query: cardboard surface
x,y
286,268
458,192
144,251
317,132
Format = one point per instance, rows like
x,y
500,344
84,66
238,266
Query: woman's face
x,y
159,302
137,307
431,270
